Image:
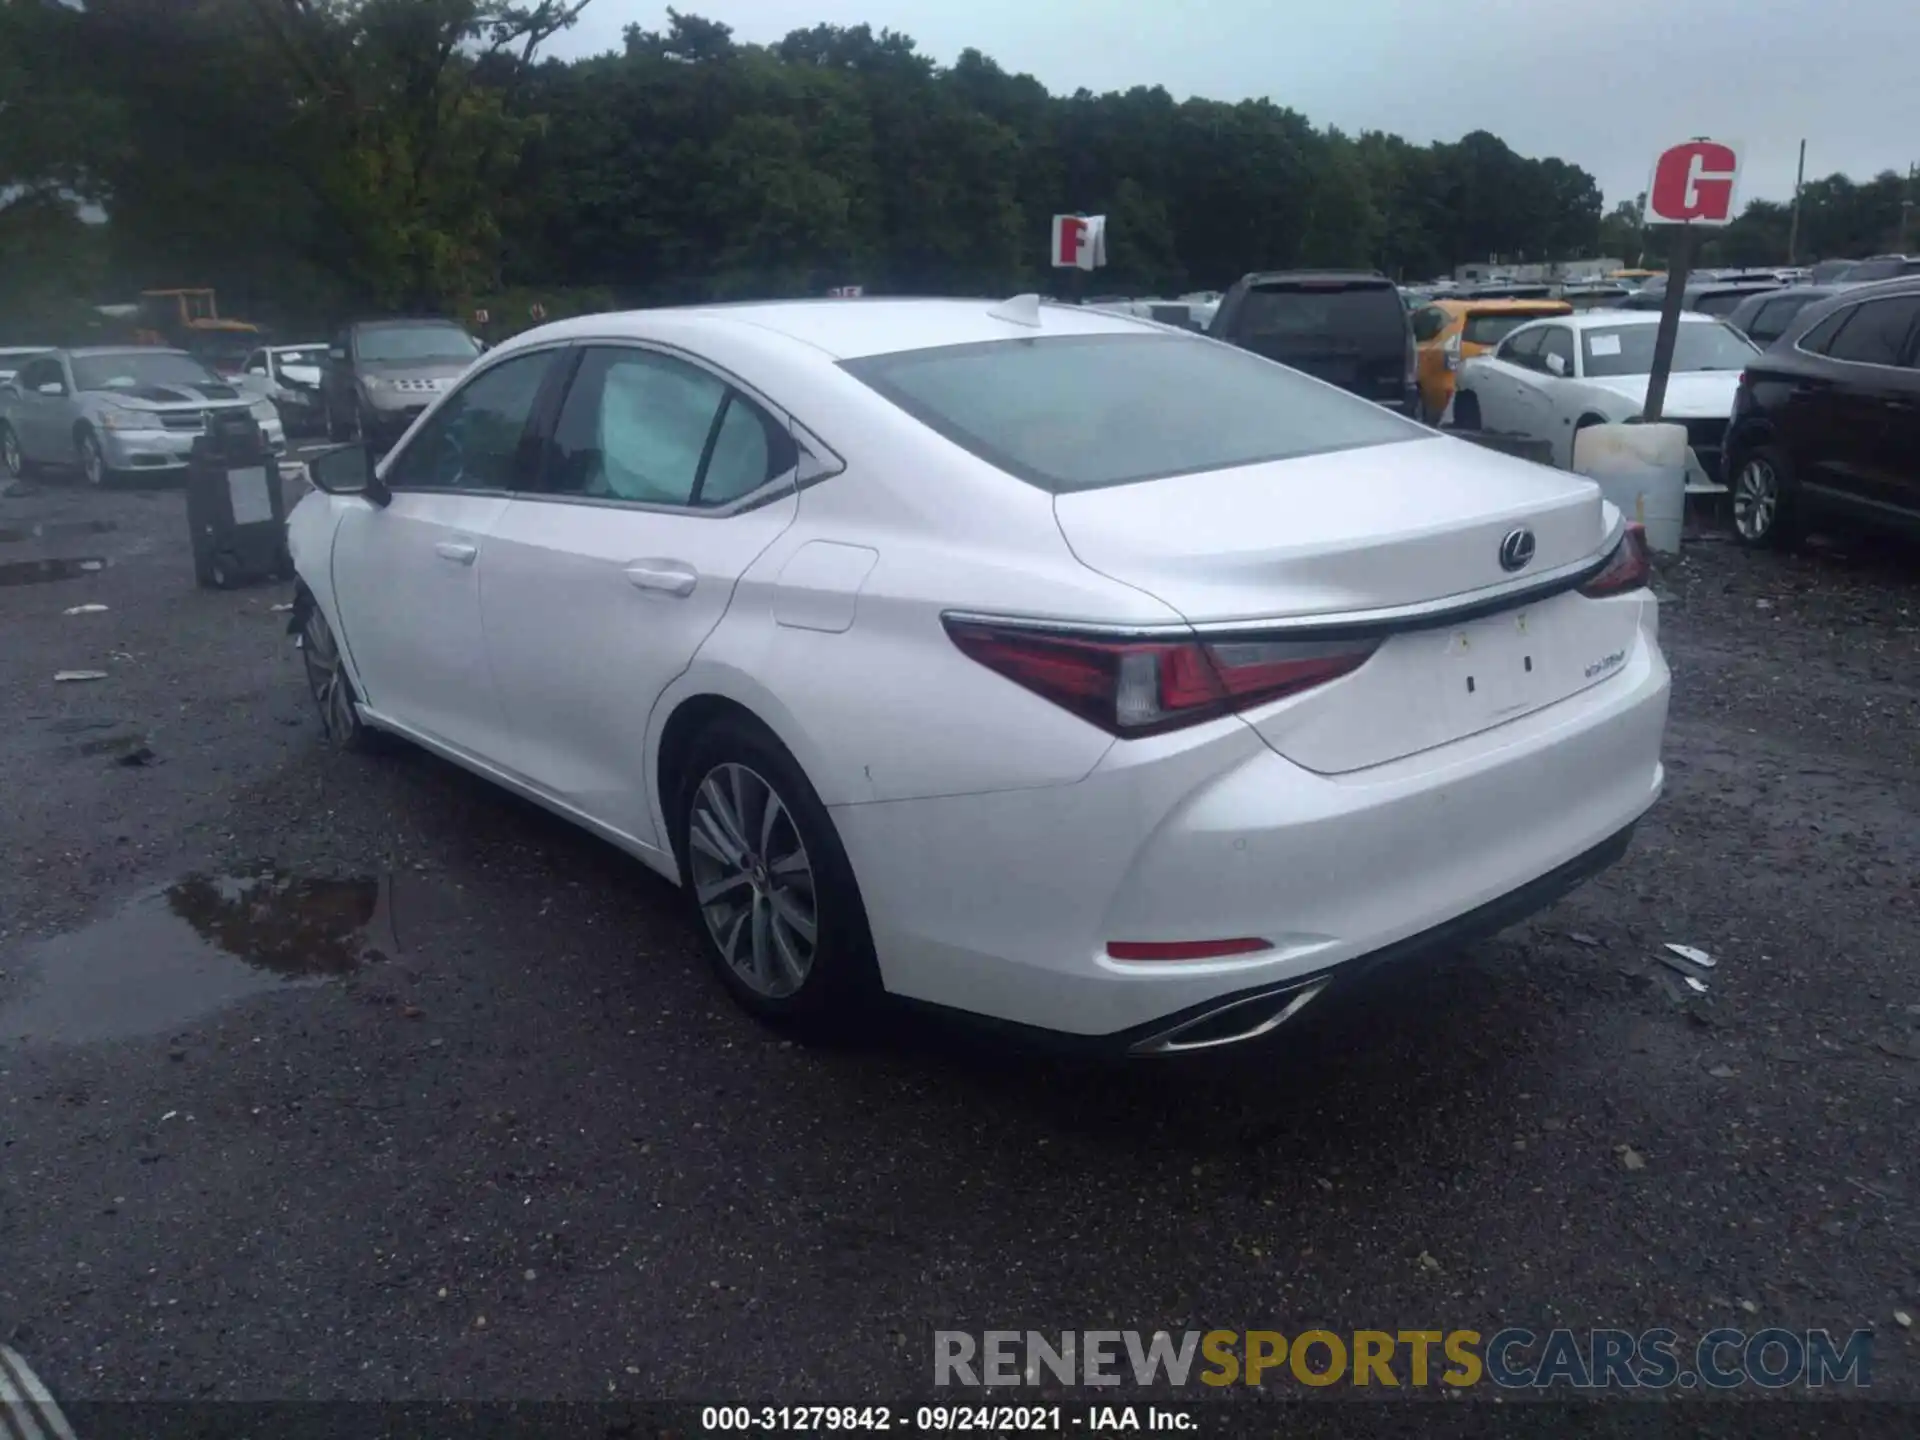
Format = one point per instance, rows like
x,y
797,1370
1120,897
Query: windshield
x,y
306,355
130,369
1628,350
1078,412
416,342
1492,328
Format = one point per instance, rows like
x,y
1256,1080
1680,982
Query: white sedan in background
x,y
1550,379
1024,660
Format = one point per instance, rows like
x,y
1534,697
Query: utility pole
x,y
1906,206
1793,230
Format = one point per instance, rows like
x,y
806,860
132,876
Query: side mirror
x,y
52,387
348,470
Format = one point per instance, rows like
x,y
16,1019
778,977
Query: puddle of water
x,y
55,530
111,745
172,955
40,572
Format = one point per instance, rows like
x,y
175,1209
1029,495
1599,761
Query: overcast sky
x,y
1587,82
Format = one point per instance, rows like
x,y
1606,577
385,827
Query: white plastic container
x,y
1643,470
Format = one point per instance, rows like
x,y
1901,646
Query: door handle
x,y
670,577
457,551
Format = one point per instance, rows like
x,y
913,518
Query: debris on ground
x,y
1630,1158
1722,1072
65,677
136,758
84,610
279,608
1580,937
1903,1319
1685,972
1697,957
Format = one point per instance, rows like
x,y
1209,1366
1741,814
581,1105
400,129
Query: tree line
x,y
314,158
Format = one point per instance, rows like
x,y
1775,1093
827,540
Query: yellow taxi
x,y
1448,333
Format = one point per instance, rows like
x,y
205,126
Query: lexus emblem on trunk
x,y
1516,551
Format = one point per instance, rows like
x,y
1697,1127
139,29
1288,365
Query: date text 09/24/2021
x,y
938,1419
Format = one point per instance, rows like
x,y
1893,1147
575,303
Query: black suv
x,y
1828,419
380,374
1347,327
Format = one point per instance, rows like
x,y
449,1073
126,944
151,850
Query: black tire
x,y
1764,474
330,685
92,461
1466,410
13,460
760,918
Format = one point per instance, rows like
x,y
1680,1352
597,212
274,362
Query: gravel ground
x,y
525,1148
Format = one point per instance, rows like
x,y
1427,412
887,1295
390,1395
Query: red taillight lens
x,y
1628,569
1144,687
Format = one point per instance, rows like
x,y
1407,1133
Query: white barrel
x,y
1643,470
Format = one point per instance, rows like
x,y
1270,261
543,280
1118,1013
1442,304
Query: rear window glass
x,y
1082,411
1367,315
1724,303
1492,329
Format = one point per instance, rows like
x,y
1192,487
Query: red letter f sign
x,y
1079,242
1693,184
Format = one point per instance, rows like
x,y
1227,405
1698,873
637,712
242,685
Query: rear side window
x,y
1491,327
1367,317
1876,333
1083,411
1771,320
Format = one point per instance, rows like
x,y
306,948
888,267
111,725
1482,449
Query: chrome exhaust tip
x,y
1232,1022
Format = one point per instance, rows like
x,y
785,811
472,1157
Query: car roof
x,y
309,345
850,329
1614,319
403,320
1494,305
1310,277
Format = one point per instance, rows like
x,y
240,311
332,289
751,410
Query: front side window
x,y
132,369
41,372
1428,323
473,441
1556,343
1876,332
1076,412
1699,346
649,428
1523,349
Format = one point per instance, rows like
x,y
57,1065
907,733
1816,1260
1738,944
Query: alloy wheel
x,y
1756,498
327,679
753,880
10,453
93,465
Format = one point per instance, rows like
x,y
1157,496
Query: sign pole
x,y
1669,332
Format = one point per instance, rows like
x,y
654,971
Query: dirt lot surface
x,y
475,1121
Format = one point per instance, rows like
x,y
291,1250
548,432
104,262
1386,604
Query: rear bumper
x,y
1001,905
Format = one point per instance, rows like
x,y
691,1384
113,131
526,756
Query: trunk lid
x,y
1375,529
1363,529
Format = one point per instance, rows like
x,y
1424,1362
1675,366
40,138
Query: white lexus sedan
x,y
1554,377
1048,665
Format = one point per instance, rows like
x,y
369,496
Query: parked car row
x,y
1824,418
115,411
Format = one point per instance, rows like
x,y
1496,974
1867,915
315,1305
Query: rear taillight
x,y
1628,568
1144,687
1451,349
